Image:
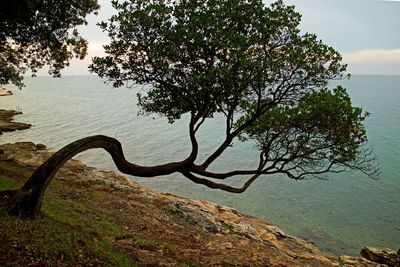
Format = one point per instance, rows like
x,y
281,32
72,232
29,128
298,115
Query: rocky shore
x,y
5,92
7,124
182,231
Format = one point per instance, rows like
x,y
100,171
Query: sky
x,y
365,32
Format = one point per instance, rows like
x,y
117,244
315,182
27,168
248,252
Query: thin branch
x,y
220,186
221,176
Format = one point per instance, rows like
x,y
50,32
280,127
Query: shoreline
x,y
222,231
212,218
7,123
5,92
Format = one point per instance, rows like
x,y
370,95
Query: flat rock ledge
x,y
7,124
230,234
5,92
383,256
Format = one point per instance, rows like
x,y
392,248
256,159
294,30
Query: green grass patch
x,y
148,244
192,263
53,243
115,256
69,233
96,195
75,213
10,168
176,213
7,183
58,186
5,166
12,176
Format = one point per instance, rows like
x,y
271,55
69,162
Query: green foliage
x,y
248,62
38,33
212,56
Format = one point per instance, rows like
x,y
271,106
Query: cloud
x,y
95,49
373,56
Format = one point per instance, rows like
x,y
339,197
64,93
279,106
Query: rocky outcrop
x,y
7,124
5,92
346,261
382,255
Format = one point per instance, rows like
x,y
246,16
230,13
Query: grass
x,y
170,249
147,243
114,254
7,183
69,233
192,263
96,195
176,213
56,242
10,168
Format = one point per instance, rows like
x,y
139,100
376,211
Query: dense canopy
x,y
34,33
249,62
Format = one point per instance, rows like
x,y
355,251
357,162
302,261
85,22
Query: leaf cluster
x,y
322,130
34,33
211,56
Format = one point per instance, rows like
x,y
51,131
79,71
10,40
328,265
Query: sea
x,y
339,214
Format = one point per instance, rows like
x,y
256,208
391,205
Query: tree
x,y
34,33
241,59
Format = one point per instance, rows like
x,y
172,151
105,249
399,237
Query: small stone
x,y
348,261
278,232
195,214
197,237
381,255
220,246
40,147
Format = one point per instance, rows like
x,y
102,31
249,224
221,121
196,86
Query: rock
x,y
7,124
40,147
197,215
278,232
5,92
381,255
247,230
347,261
220,246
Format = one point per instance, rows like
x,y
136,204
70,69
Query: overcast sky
x,y
366,32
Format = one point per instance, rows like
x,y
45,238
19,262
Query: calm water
x,y
339,215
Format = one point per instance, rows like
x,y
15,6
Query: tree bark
x,y
27,201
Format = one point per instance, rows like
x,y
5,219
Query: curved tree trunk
x,y
28,200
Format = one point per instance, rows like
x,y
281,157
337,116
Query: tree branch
x,y
29,198
220,186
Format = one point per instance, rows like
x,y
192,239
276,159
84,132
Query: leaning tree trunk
x,y
27,201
